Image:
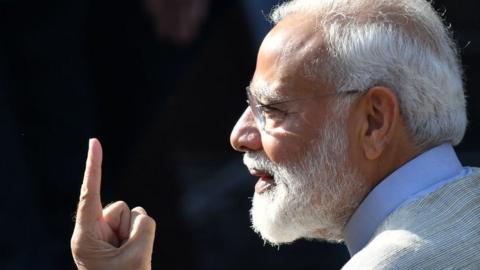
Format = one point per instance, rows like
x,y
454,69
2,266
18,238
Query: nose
x,y
245,135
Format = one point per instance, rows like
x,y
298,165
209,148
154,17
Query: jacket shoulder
x,y
438,231
389,250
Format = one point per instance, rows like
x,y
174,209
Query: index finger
x,y
90,205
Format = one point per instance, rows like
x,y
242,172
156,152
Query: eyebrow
x,y
265,94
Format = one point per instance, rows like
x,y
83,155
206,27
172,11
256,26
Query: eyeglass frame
x,y
258,111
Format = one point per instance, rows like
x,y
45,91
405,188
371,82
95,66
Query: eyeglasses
x,y
263,112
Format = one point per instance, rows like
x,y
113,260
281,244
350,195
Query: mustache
x,y
260,162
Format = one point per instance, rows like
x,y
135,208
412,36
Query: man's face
x,y
306,185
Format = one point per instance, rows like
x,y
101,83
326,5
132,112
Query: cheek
x,y
291,141
282,148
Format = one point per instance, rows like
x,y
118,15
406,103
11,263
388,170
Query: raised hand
x,y
111,238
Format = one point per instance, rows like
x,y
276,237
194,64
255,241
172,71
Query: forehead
x,y
286,56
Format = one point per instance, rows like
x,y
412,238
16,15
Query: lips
x,y
265,181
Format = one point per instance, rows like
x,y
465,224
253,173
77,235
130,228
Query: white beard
x,y
312,198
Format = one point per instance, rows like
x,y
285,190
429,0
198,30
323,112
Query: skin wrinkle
x,y
302,45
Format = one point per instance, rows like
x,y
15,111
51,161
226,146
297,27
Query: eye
x,y
272,112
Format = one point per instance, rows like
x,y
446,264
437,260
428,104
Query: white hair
x,y
400,44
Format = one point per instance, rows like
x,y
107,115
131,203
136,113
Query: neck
x,y
394,156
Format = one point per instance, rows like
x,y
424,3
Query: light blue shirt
x,y
418,177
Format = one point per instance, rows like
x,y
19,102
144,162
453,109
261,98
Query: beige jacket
x,y
438,231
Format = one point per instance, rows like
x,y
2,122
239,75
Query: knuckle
x,y
81,204
88,196
147,222
122,204
152,221
139,210
117,204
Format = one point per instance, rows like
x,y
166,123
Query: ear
x,y
380,109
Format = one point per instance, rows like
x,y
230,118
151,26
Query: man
x,y
353,110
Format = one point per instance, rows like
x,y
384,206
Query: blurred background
x,y
161,84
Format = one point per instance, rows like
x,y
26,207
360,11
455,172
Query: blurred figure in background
x,y
179,22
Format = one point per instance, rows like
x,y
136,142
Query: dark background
x,y
72,70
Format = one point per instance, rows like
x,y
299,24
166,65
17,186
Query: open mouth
x,y
265,181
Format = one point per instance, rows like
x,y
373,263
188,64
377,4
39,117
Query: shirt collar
x,y
426,170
